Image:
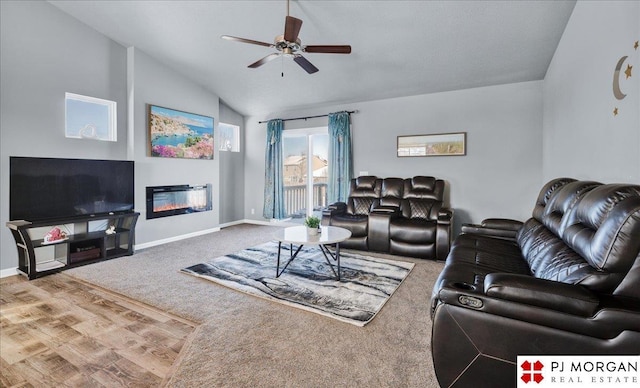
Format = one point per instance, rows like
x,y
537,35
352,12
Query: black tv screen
x,y
50,188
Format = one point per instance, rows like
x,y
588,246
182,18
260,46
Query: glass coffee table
x,y
298,235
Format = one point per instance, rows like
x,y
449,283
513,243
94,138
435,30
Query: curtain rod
x,y
308,117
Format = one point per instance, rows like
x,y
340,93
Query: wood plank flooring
x,y
57,331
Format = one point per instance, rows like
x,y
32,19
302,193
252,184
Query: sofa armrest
x,y
502,223
445,216
494,227
569,298
391,210
444,233
378,227
332,210
335,208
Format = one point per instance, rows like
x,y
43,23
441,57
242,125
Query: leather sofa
x,y
394,215
565,282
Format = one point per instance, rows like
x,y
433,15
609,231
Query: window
x,y
90,118
229,137
305,182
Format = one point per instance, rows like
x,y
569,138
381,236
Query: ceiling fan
x,y
289,45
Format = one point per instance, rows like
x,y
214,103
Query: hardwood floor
x,y
57,331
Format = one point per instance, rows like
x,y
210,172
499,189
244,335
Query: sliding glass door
x,y
305,170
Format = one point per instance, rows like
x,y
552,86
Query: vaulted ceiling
x,y
399,48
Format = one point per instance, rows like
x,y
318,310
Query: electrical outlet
x,y
253,211
364,173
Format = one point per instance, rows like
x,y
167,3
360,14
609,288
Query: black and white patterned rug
x,y
308,283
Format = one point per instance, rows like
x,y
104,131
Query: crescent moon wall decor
x,y
617,93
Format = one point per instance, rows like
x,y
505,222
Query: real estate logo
x,y
578,371
531,371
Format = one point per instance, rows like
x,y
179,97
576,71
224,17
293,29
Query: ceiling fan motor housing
x,y
287,48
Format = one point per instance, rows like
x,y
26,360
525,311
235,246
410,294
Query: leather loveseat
x,y
394,215
565,282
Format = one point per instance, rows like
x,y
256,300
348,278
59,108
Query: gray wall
x,y
582,137
232,171
43,54
156,84
499,177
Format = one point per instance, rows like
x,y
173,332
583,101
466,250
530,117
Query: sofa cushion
x,y
357,224
360,206
414,231
364,183
546,193
420,209
425,187
604,228
562,201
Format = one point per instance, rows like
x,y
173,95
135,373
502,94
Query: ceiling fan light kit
x,y
290,46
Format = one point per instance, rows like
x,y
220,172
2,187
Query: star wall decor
x,y
635,46
627,72
615,111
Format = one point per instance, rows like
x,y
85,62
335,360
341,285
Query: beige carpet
x,y
245,341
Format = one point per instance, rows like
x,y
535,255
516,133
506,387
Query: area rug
x,y
308,283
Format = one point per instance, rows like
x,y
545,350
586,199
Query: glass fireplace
x,y
165,201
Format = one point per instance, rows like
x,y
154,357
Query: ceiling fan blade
x,y
343,49
243,40
264,60
306,65
292,28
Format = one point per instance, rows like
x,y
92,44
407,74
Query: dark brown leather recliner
x,y
566,283
394,215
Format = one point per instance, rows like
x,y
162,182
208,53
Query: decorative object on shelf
x,y
441,144
313,225
111,230
177,134
55,235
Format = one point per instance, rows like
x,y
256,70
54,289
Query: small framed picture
x,y
441,144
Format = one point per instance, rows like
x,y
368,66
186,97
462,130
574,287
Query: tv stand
x,y
87,242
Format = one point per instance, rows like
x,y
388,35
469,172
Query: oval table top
x,y
299,235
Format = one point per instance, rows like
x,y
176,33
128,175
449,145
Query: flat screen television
x,y
43,189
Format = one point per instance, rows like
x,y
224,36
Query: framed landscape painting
x,y
441,144
177,134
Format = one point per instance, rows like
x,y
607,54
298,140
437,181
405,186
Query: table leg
x,y
292,256
278,263
338,258
324,249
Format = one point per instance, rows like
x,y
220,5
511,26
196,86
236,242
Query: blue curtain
x,y
273,177
340,162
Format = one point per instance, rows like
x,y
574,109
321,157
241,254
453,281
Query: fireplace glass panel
x,y
163,201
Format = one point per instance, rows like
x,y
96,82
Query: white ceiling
x,y
399,48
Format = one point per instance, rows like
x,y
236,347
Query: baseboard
x,y
5,273
175,238
286,221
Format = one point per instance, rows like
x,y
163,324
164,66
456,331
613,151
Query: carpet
x,y
308,283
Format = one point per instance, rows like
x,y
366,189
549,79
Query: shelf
x,y
79,237
66,252
116,252
49,265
